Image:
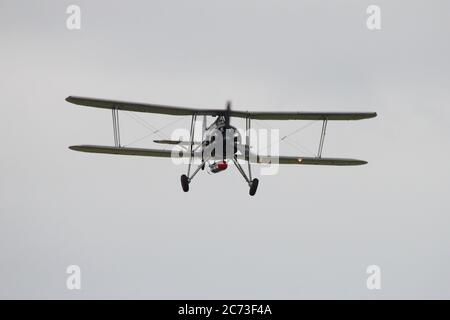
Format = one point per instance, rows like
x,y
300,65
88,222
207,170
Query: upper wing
x,y
304,115
140,107
182,111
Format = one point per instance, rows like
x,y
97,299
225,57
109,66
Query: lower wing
x,y
256,159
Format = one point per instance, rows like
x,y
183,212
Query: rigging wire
x,y
153,129
293,144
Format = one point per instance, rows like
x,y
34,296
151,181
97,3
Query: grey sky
x,y
310,232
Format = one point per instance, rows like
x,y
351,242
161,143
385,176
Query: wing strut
x,y
247,147
191,144
116,128
322,138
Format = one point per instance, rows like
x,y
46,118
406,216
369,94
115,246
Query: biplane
x,y
221,142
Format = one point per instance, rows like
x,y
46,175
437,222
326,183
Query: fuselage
x,y
222,142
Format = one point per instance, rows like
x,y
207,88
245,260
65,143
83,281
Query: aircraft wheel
x,y
253,187
185,183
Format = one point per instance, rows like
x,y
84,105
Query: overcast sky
x,y
310,231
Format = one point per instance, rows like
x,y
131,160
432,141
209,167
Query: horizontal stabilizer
x,y
175,142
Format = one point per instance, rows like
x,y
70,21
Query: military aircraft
x,y
221,142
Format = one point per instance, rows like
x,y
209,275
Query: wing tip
x,y
365,115
76,148
81,101
83,148
356,162
362,162
71,99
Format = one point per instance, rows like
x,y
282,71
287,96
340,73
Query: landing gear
x,y
221,165
187,178
185,183
252,183
253,187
